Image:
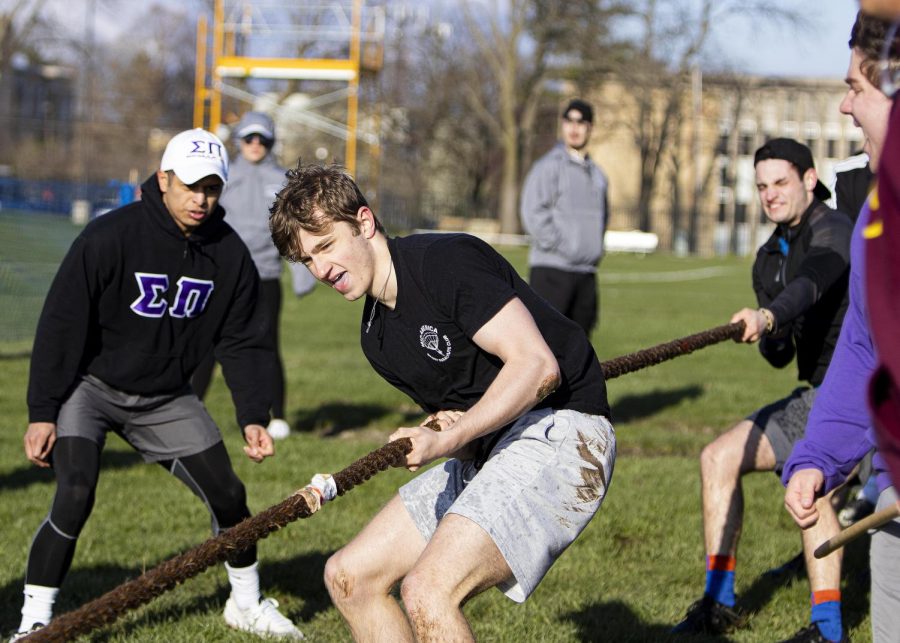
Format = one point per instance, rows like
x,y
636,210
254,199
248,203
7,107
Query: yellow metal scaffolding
x,y
219,61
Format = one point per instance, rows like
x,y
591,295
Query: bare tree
x,y
21,21
518,46
142,81
672,35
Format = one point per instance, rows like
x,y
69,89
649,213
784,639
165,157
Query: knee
x,y
341,582
76,487
424,595
76,491
72,504
229,502
715,460
232,492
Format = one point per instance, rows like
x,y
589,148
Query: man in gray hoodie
x,y
564,209
255,178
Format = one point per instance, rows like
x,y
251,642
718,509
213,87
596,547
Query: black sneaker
x,y
708,616
812,634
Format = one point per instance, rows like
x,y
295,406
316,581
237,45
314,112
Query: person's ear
x,y
366,220
810,178
163,179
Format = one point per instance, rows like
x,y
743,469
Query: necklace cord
x,y
379,299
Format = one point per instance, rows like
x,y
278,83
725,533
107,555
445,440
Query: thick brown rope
x,y
132,594
662,352
109,607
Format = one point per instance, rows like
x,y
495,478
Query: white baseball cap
x,y
195,154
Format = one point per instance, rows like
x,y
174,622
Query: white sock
x,y
38,607
244,585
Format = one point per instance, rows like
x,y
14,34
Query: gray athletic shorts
x,y
159,427
784,422
542,483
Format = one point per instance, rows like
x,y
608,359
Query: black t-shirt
x,y
448,287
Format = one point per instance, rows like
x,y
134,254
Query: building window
x,y
740,212
789,110
812,132
745,146
722,147
722,211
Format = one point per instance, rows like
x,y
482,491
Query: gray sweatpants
x,y
884,556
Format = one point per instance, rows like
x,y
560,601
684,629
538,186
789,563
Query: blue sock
x,y
720,579
826,613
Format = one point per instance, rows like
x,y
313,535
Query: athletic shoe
x,y
263,620
22,634
708,616
854,511
278,429
812,634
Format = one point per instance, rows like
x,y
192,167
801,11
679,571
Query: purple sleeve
x,y
838,431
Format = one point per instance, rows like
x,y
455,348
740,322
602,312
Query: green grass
x,y
31,247
630,575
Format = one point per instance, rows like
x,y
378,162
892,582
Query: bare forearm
x,y
518,387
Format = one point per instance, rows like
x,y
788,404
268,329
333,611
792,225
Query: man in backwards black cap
x,y
800,279
564,209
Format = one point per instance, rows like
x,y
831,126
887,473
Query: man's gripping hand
x,y
800,496
39,440
755,324
442,420
430,440
259,443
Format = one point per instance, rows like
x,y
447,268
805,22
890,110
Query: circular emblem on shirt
x,y
437,346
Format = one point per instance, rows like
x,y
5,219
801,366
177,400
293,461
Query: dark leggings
x,y
269,305
76,463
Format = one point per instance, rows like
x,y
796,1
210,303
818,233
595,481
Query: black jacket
x,y
138,304
805,287
851,189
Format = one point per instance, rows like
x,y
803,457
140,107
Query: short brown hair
x,y
314,198
867,37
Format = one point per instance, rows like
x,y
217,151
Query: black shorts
x,y
784,422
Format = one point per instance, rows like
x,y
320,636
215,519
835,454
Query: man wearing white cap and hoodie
x,y
141,297
254,179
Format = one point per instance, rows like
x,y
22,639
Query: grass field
x,y
31,245
629,577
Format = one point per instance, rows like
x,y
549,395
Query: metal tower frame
x,y
239,26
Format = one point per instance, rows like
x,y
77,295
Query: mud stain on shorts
x,y
593,478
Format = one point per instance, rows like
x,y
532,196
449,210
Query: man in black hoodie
x,y
142,295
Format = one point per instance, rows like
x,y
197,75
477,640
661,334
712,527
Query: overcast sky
x,y
820,53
